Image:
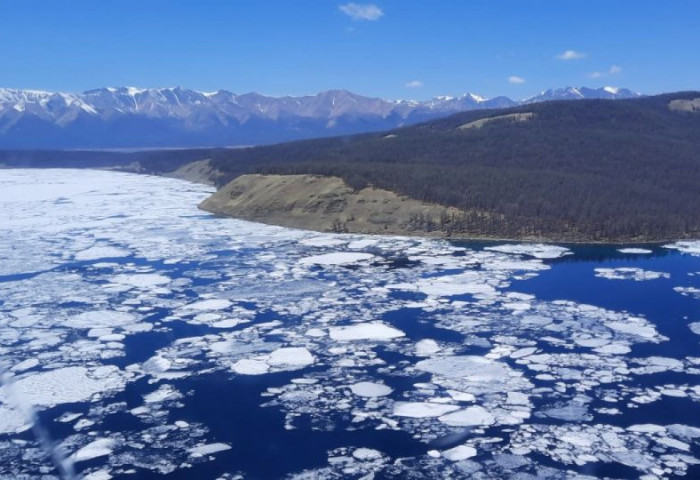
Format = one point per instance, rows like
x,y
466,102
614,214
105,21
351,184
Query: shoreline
x,y
437,235
327,204
457,238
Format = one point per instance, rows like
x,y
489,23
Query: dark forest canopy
x,y
585,170
595,170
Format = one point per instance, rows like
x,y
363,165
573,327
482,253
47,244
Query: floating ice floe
x,y
337,258
629,273
11,420
101,318
477,374
422,409
635,251
94,449
286,358
98,475
101,251
459,453
694,327
209,304
691,247
68,385
468,417
370,389
322,241
427,347
366,454
248,366
448,286
209,449
365,331
648,450
24,365
537,250
291,357
688,291
141,280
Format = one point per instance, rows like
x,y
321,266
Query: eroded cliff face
x,y
692,106
327,204
199,171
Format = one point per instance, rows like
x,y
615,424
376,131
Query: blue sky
x,y
392,48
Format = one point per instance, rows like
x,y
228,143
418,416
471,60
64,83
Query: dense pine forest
x,y
588,170
596,170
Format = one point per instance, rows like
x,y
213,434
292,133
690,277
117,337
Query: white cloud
x,y
414,84
516,79
367,11
570,55
613,70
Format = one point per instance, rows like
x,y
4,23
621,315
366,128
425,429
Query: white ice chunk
x,y
635,251
208,449
141,280
100,318
164,392
469,417
26,365
633,328
209,304
95,449
422,409
647,428
537,250
459,453
691,247
370,389
473,368
250,367
365,331
367,454
427,347
12,421
97,252
337,258
98,475
291,357
629,273
68,385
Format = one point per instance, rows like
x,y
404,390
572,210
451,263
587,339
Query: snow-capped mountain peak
x,y
176,116
573,93
475,97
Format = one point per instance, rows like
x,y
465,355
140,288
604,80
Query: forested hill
x,y
589,170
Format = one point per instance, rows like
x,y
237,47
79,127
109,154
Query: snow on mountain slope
x,y
571,93
135,117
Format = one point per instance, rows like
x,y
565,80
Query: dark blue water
x,y
231,406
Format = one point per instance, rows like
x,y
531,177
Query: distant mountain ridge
x,y
129,117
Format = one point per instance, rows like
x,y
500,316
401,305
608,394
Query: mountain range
x,y
128,117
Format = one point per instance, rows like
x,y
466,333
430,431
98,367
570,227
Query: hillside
x,y
327,204
592,170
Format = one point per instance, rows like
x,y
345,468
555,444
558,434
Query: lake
x,y
143,338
